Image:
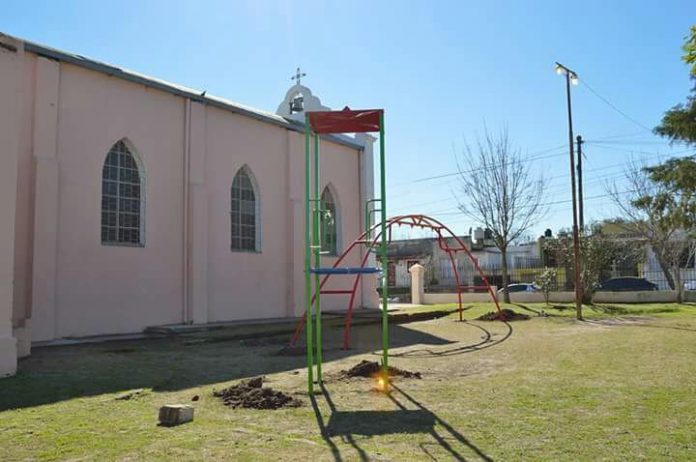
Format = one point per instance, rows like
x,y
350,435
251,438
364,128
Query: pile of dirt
x,y
251,394
505,314
373,368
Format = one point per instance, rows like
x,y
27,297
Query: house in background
x,y
129,202
649,267
523,260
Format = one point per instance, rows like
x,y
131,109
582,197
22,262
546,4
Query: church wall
x,y
337,162
340,168
270,283
10,98
71,284
246,285
24,215
105,288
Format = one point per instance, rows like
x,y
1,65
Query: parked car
x,y
627,284
522,287
690,285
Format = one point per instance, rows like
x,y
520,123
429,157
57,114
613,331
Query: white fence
x,y
656,296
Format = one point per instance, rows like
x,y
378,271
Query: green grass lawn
x,y
620,386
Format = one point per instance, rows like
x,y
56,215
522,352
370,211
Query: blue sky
x,y
440,69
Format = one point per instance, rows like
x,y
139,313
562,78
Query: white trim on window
x,y
255,190
122,197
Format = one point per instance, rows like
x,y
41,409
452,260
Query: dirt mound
x,y
251,394
372,369
506,314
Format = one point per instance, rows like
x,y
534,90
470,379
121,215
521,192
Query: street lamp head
x,y
570,75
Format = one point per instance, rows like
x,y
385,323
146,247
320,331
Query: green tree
x,y
547,281
659,207
679,123
600,252
690,50
677,178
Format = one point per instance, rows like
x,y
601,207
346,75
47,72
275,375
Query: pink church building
x,y
130,202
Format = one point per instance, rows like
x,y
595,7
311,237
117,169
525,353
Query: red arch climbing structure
x,y
414,221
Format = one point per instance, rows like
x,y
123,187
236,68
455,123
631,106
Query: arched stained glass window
x,y
329,222
244,212
121,207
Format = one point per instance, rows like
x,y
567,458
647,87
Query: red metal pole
x,y
408,220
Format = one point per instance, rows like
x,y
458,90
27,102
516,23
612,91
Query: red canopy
x,y
345,121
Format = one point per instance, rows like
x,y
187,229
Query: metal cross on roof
x,y
298,76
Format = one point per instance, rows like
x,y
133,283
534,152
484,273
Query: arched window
x,y
329,223
122,206
244,212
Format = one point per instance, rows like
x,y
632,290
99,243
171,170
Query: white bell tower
x,y
299,99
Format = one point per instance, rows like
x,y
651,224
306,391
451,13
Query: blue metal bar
x,y
346,270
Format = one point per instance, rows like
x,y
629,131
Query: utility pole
x,y
581,209
571,76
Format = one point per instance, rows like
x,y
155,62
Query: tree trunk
x,y
587,296
664,266
679,284
506,280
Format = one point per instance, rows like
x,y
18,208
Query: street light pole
x,y
571,76
581,208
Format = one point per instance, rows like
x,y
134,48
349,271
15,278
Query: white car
x,y
690,285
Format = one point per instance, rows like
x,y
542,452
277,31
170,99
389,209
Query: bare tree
x,y
497,190
649,210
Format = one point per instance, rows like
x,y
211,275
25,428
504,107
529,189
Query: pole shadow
x,y
457,436
487,341
402,420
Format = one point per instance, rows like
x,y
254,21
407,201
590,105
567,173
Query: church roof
x,y
178,90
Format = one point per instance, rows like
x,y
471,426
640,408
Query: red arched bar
x,y
421,221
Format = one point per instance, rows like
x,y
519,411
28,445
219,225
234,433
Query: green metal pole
x,y
307,263
383,246
317,254
368,213
367,220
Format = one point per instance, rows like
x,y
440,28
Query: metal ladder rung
x,y
346,270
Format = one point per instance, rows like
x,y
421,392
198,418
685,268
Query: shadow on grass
x,y
621,310
347,424
526,308
615,310
487,341
544,311
53,374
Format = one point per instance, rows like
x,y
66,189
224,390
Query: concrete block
x,y
175,414
23,336
8,356
417,284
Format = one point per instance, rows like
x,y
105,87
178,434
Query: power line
x,y
533,158
630,142
564,201
625,135
536,156
596,179
613,106
686,151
